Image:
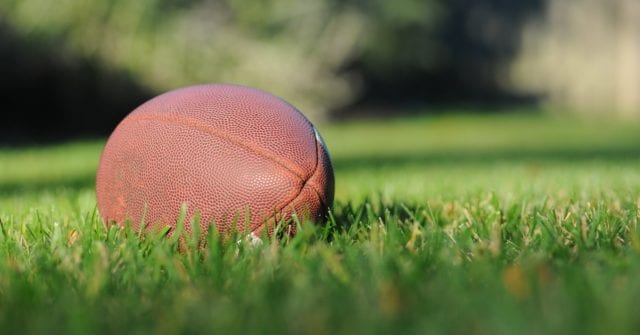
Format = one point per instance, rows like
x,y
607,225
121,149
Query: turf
x,y
512,223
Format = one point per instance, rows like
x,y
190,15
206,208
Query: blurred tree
x,y
45,95
584,57
287,47
321,55
440,51
401,34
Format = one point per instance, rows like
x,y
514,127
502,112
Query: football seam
x,y
298,194
289,166
198,125
313,186
315,189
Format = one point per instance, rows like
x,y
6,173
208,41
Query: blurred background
x,y
74,68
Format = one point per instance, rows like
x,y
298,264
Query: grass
x,y
453,224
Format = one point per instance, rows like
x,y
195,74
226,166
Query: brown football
x,y
239,157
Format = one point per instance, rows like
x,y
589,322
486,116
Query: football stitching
x,y
313,186
198,125
294,198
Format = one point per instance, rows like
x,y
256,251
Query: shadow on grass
x,y
432,159
487,157
77,183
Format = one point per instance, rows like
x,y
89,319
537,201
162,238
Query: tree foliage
x,y
320,55
287,47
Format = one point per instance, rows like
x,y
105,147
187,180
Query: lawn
x,y
464,224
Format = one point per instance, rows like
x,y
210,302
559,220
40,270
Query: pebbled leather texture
x,y
239,157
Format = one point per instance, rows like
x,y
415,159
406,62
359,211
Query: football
x,y
234,156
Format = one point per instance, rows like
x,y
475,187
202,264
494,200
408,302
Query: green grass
x,y
458,224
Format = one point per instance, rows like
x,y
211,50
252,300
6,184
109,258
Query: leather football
x,y
238,157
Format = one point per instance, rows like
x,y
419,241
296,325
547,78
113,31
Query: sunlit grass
x,y
464,224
